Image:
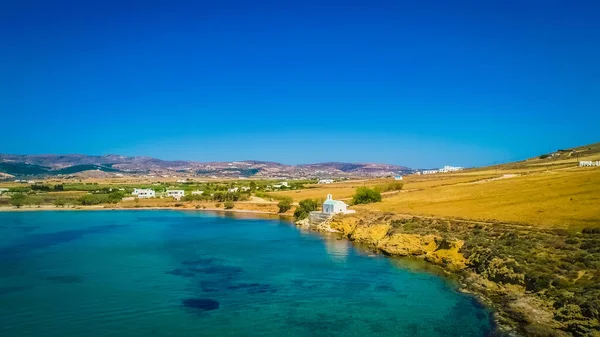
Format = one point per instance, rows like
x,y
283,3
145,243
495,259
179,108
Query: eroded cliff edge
x,y
540,282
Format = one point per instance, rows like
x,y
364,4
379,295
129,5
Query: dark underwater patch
x,y
198,262
203,304
206,266
66,279
181,272
220,270
39,241
385,288
253,288
8,290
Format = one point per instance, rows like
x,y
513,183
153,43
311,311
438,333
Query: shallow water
x,y
169,273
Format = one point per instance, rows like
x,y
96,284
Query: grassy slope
x,y
564,198
551,192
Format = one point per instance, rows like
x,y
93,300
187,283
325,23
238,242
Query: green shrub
x,y
365,195
591,230
285,205
228,204
393,186
304,208
18,200
94,199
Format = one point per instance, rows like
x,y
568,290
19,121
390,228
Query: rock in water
x,y
204,304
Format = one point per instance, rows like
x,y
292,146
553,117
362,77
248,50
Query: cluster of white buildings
x,y
325,181
25,181
445,169
589,163
281,184
3,190
146,193
176,194
143,193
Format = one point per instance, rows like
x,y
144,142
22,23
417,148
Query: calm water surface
x,y
168,273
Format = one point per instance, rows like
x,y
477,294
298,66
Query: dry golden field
x,y
568,198
552,192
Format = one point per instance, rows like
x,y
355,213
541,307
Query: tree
x,y
59,188
285,205
252,186
93,199
60,202
219,196
115,196
228,204
304,208
365,195
18,200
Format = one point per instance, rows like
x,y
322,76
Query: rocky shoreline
x,y
497,280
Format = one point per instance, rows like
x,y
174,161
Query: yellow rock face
x,y
345,225
430,247
407,244
370,234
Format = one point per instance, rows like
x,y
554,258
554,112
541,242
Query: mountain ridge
x,y
60,164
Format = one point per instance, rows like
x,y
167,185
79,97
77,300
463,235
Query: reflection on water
x,y
337,249
131,273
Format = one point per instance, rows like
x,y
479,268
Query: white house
x,y
331,206
176,194
143,193
245,188
589,163
232,190
450,169
281,184
197,192
398,178
430,171
2,190
325,181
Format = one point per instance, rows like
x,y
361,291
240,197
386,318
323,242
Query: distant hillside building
x,y
232,190
398,178
445,169
450,169
143,193
176,194
589,163
282,184
325,181
430,171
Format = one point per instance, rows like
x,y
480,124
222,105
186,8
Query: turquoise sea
x,y
175,273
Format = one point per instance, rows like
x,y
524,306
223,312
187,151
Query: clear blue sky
x,y
417,83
